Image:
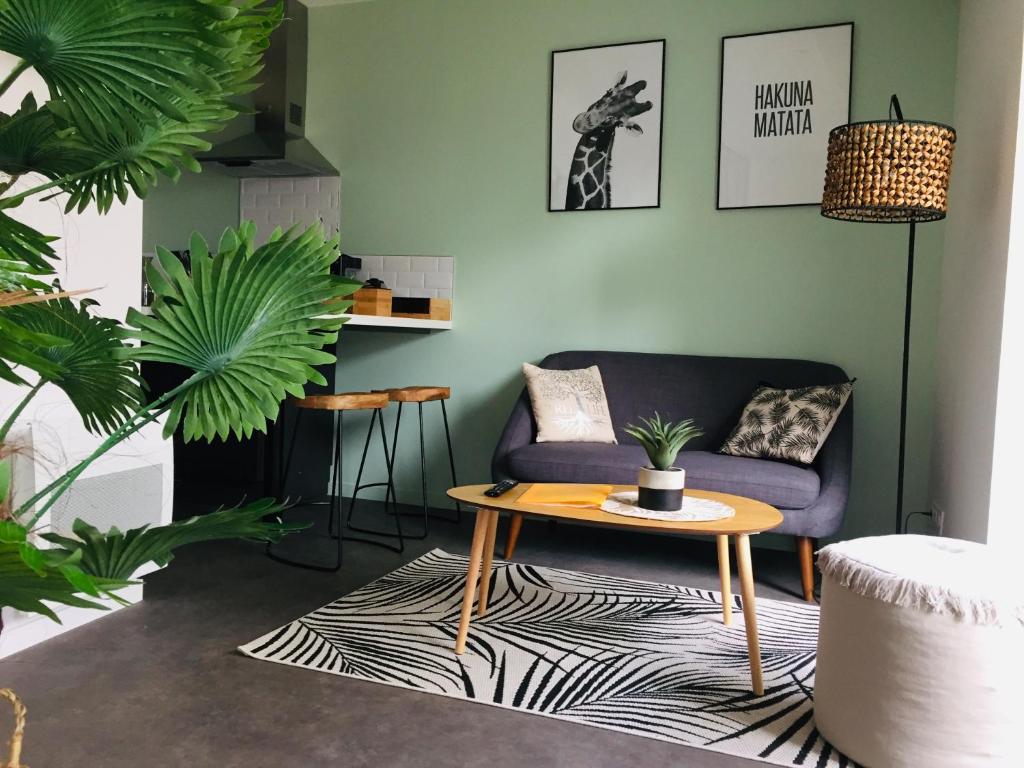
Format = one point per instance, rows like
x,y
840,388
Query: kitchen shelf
x,y
375,321
411,323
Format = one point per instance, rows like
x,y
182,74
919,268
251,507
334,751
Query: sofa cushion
x,y
782,485
787,424
569,406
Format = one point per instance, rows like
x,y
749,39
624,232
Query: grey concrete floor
x,y
160,683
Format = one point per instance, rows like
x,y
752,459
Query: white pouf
x,y
921,653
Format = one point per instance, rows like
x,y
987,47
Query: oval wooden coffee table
x,y
751,517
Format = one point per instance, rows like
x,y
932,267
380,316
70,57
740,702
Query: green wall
x,y
436,113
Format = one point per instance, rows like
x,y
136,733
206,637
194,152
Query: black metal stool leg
x,y
424,507
291,449
337,481
423,474
389,485
333,504
451,459
359,474
394,452
389,462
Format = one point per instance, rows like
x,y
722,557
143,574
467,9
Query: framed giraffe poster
x,y
782,92
597,95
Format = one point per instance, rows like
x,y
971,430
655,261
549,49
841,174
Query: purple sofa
x,y
712,391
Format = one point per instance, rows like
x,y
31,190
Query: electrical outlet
x,y
938,518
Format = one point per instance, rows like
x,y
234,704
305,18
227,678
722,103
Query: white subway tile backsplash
x,y
410,280
282,202
281,216
423,263
411,276
306,184
373,263
320,200
397,263
437,280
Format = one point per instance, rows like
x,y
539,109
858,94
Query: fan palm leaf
x,y
251,324
104,387
29,575
20,347
108,56
132,84
20,244
116,556
127,157
29,144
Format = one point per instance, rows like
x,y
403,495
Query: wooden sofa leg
x,y
805,549
514,524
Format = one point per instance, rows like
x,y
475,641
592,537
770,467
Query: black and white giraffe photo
x,y
606,114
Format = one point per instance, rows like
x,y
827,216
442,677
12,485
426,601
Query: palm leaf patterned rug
x,y
647,659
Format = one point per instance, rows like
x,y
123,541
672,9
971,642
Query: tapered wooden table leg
x,y
746,570
488,556
472,574
725,575
514,524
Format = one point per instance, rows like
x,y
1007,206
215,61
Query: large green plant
x,y
132,86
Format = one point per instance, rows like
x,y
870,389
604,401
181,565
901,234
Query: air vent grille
x,y
128,499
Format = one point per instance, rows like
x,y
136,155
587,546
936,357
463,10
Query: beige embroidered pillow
x,y
569,406
787,424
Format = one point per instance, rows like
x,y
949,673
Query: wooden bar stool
x,y
337,405
421,395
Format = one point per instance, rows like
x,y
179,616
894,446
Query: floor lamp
x,y
891,171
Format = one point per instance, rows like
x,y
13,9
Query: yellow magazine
x,y
566,494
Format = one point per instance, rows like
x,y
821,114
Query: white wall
x,y
96,252
1005,520
980,324
102,253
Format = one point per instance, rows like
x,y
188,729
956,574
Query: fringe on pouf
x,y
850,564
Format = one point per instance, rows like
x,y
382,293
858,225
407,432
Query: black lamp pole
x,y
894,106
906,377
891,171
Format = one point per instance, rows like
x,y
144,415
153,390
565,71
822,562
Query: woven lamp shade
x,y
888,171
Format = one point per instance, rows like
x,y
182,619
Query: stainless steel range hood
x,y
272,142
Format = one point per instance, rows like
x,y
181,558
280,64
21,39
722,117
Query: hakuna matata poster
x,y
782,92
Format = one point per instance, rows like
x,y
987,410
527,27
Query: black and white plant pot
x,y
661,490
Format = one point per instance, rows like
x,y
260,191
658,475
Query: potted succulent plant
x,y
661,484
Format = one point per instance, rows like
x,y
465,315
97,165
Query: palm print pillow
x,y
787,424
569,406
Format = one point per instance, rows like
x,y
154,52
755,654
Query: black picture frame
x,y
658,104
721,88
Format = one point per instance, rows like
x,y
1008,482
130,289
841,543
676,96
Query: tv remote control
x,y
499,488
